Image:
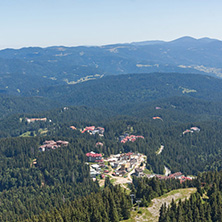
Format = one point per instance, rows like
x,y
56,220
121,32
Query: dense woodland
x,y
56,185
205,205
146,189
110,204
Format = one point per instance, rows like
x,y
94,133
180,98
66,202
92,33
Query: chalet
x,y
176,175
120,172
112,159
115,165
48,147
133,161
125,166
102,165
126,156
62,143
52,142
126,137
101,130
93,173
32,120
99,144
51,145
196,129
88,128
95,167
93,130
94,157
73,127
187,131
139,172
183,179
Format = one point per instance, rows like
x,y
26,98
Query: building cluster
x,y
191,130
126,137
32,120
94,130
52,145
123,163
139,172
177,175
98,170
157,117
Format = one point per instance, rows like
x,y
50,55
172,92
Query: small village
x,y
121,167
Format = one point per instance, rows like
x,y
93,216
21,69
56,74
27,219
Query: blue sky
x,y
45,23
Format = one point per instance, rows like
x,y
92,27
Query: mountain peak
x,y
184,39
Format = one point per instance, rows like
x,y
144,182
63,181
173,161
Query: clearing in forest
x,y
151,213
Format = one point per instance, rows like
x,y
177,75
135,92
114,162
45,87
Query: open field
x,y
151,213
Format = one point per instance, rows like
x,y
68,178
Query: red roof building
x,y
94,157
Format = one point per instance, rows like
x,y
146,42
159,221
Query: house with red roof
x,y
94,157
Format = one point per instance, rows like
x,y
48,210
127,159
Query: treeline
x,y
32,182
145,189
110,204
203,206
134,88
15,125
11,104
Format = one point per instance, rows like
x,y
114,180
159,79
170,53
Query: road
x,y
160,150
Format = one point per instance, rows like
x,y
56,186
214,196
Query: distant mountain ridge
x,y
32,68
134,88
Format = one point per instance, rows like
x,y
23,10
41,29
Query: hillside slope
x,y
34,67
135,88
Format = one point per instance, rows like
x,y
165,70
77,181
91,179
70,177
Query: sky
x,y
43,23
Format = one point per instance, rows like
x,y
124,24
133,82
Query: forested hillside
x,y
14,104
205,205
181,113
135,88
32,68
116,93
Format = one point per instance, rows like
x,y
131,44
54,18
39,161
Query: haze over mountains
x,y
22,70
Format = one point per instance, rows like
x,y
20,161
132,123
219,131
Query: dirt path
x,y
151,214
160,150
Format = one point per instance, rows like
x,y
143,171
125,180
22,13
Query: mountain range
x,y
22,70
